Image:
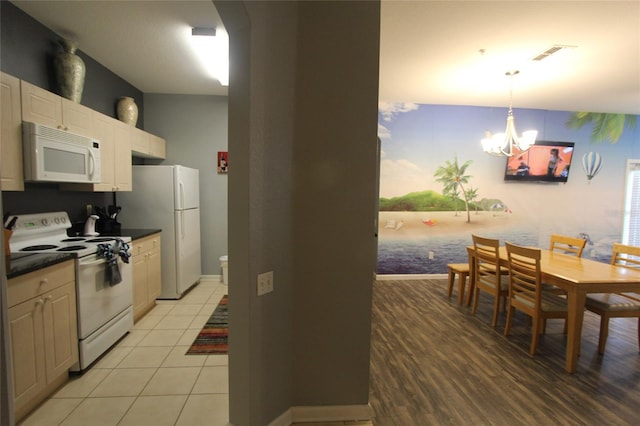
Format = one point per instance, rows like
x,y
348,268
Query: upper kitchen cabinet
x,y
146,145
43,107
115,156
122,156
11,178
157,146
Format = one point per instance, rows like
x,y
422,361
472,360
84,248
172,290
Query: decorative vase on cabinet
x,y
70,71
128,110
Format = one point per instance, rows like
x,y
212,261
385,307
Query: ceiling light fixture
x,y
503,144
551,51
212,47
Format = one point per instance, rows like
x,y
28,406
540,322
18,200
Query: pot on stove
x,y
90,226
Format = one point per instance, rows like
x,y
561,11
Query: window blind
x,y
631,226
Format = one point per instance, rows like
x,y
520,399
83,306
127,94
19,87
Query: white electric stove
x,y
104,307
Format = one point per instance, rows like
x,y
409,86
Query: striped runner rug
x,y
214,336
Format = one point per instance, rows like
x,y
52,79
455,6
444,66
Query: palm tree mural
x,y
472,197
452,176
605,125
455,196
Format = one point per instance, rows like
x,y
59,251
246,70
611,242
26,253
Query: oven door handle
x,y
95,262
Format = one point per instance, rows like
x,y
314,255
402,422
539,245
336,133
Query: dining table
x,y
577,276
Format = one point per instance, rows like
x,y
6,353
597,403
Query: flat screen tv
x,y
546,161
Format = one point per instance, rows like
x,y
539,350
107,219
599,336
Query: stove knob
x,y
57,220
45,222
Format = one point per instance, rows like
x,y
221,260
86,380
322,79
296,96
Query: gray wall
x,y
335,154
195,128
26,52
302,192
261,118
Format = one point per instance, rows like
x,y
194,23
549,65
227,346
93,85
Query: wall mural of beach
x,y
424,221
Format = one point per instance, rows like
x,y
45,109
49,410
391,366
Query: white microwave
x,y
52,155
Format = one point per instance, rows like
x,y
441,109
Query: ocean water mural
x,y
419,230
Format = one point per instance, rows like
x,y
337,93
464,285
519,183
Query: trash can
x,y
224,265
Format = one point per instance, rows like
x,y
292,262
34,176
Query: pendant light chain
x,y
511,74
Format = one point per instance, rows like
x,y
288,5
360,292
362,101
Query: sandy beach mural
x,y
425,221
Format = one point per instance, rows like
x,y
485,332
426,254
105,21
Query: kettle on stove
x,y
90,226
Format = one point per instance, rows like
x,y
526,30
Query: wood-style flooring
x,y
434,363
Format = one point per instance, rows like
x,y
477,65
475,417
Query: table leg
x,y
472,275
576,300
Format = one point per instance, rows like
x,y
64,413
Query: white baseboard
x,y
284,419
211,278
323,413
388,277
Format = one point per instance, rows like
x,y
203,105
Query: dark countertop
x,y
23,264
136,233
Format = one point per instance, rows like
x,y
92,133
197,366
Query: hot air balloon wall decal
x,y
591,163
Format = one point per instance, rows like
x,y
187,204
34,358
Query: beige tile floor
x,y
146,379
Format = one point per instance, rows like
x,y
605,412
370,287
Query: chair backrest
x,y
525,276
568,245
624,255
487,269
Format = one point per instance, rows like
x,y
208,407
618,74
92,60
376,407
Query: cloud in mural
x,y
398,165
398,177
383,132
389,110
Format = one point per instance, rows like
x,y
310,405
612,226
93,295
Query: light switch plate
x,y
265,283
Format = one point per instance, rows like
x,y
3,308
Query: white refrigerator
x,y
167,197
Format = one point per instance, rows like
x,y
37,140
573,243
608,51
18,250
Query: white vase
x,y
128,110
70,71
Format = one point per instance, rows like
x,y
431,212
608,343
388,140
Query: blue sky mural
x,y
417,139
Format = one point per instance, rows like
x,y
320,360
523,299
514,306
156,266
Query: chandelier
x,y
503,144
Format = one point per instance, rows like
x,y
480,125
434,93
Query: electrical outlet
x,y
593,253
431,255
265,283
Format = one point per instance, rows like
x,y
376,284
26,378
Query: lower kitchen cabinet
x,y
147,276
43,333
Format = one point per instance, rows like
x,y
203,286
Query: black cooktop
x,y
39,247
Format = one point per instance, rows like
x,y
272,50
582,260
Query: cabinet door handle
x,y
48,298
39,302
44,281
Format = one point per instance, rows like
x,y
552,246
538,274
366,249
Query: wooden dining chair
x,y
617,305
488,275
461,270
569,245
526,293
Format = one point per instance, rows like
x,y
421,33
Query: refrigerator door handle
x,y
182,225
181,186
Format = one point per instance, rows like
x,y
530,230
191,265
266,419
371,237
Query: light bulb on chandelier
x,y
503,144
